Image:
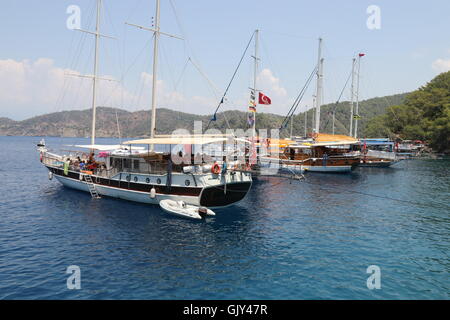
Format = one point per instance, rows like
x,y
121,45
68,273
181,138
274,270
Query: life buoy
x,y
215,168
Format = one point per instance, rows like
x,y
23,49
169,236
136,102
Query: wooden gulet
x,y
143,175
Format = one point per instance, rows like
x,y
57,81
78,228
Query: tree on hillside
x,y
425,115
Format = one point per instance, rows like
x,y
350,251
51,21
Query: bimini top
x,y
377,142
102,147
178,140
323,139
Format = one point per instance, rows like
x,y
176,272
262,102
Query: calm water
x,y
286,240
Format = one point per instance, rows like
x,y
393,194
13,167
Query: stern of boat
x,y
233,187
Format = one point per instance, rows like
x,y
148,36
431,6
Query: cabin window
x,y
136,179
118,164
136,164
147,180
158,181
127,163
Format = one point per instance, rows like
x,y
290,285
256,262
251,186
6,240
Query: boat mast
x,y
306,121
94,86
352,94
357,96
334,116
255,75
156,33
313,118
155,72
292,123
319,86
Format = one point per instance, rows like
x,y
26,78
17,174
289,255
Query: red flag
x,y
263,99
362,54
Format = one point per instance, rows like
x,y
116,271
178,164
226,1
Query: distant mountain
x,y
137,124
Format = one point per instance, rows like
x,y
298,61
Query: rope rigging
x,y
298,100
229,84
337,101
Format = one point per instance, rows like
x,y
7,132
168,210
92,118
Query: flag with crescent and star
x,y
263,99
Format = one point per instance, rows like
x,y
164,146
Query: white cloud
x,y
270,86
268,83
441,65
29,88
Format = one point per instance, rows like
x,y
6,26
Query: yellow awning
x,y
338,138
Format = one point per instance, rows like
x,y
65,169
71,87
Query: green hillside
x,y
368,109
424,115
137,124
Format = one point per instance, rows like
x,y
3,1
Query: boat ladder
x,y
91,186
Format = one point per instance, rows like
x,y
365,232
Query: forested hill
x,y
368,109
137,124
424,115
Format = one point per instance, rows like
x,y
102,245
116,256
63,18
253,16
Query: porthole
x,y
147,180
136,179
128,178
187,182
158,181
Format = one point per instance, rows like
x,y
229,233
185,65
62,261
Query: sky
x,y
39,54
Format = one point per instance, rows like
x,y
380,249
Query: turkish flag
x,y
263,99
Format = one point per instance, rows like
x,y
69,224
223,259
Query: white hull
x,y
130,195
328,168
296,168
185,211
270,167
292,168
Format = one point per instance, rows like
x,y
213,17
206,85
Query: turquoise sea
x,y
311,239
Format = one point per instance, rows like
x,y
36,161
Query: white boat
x,y
134,171
181,209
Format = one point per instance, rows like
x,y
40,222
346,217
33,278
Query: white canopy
x,y
105,147
331,143
178,140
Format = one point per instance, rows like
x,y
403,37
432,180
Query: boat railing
x,y
381,154
53,160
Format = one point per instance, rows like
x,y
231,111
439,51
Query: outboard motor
x,y
41,143
41,146
202,211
